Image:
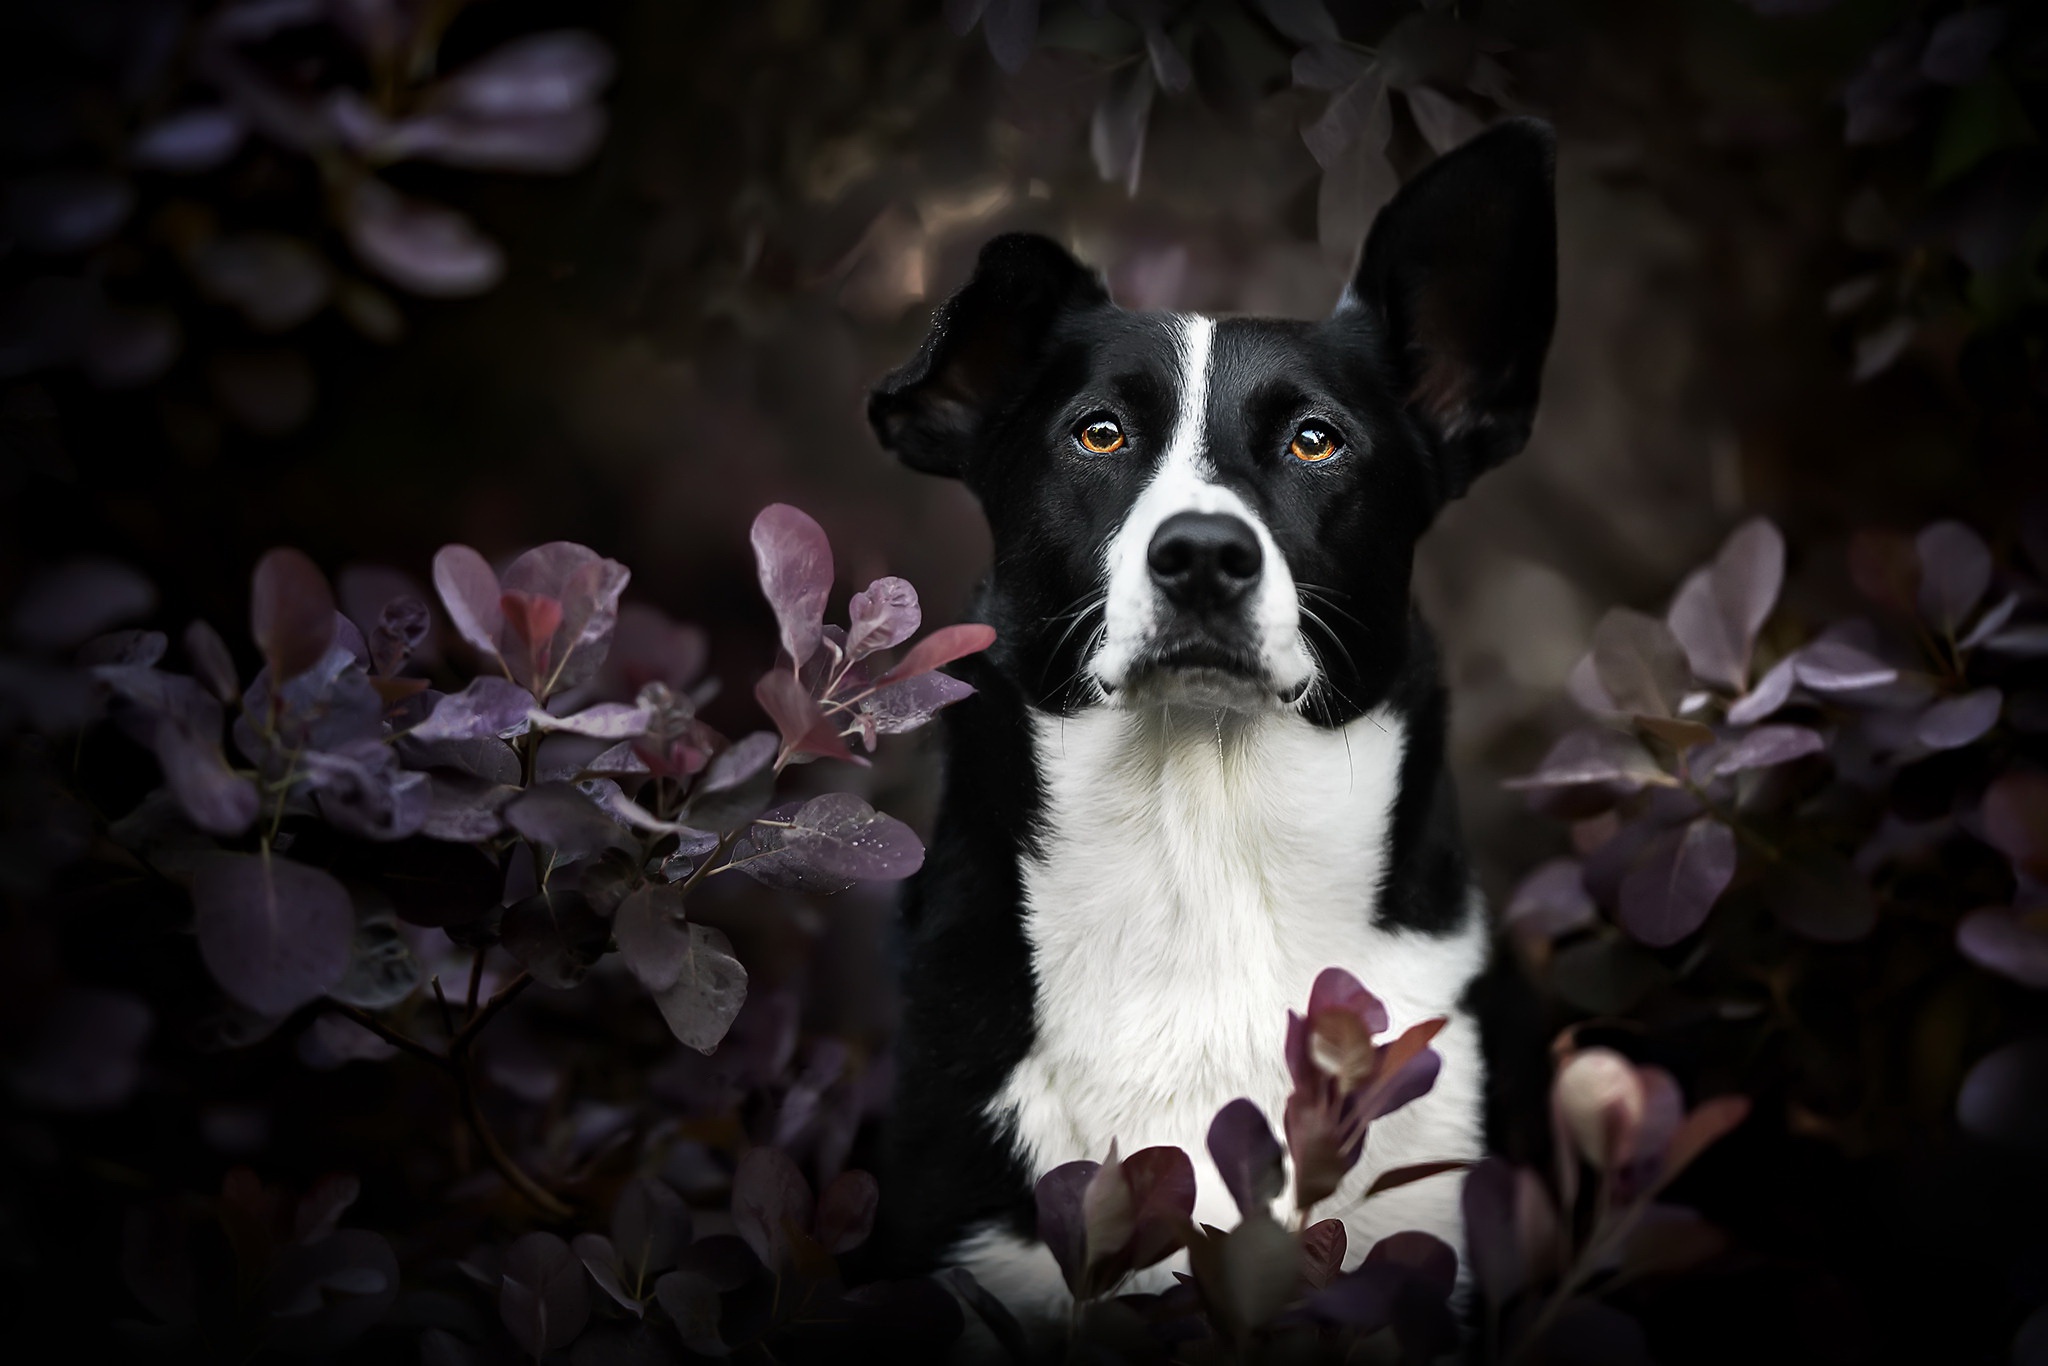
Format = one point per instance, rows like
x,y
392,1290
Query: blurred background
x,y
371,276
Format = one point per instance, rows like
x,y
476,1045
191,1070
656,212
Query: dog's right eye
x,y
1099,436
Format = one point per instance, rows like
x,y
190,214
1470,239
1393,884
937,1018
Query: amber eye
x,y
1100,436
1313,443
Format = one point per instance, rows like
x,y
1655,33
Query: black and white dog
x,y
1206,758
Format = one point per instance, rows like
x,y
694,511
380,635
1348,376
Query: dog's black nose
x,y
1204,559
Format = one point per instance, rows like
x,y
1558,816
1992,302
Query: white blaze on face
x,y
1135,610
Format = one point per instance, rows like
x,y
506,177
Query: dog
x,y
1205,758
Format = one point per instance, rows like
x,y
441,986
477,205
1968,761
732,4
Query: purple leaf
x,y
653,936
1357,114
1010,26
905,706
762,855
736,785
426,248
539,74
78,600
213,796
1667,896
398,631
881,618
66,211
537,144
84,1052
1058,1196
2009,942
291,613
273,280
1301,21
1492,1239
1961,45
211,662
1720,609
1443,122
1955,569
1957,721
844,836
361,789
544,1300
2015,818
555,935
1836,666
1771,692
465,809
1760,748
2005,1096
650,1228
275,934
708,991
804,727
1992,622
1591,755
604,721
794,561
2027,641
469,591
1171,69
1243,1147
601,1260
846,1211
939,649
1327,66
191,140
770,1198
1639,662
321,1296
649,648
564,819
1551,901
489,706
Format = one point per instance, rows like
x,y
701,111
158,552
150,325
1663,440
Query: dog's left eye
x,y
1314,442
1099,436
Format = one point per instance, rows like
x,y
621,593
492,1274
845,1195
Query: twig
x,y
459,1047
476,984
447,1015
540,1196
403,1042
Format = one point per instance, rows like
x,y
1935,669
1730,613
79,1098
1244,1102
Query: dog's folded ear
x,y
1461,269
984,344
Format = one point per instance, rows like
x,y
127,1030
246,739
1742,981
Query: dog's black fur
x,y
1430,370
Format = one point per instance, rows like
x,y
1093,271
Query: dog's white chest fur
x,y
1194,873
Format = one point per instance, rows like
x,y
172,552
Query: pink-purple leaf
x,y
427,248
542,73
211,662
587,588
846,1211
650,1227
882,617
1837,666
905,706
291,613
939,649
214,797
1591,755
1771,692
2009,942
1991,622
1639,663
469,591
275,934
1551,901
1954,722
794,561
1242,1145
736,785
770,1198
653,936
1720,609
190,140
708,991
1667,896
844,836
603,721
544,1300
489,706
1955,569
804,727
565,820
1058,1196
1759,748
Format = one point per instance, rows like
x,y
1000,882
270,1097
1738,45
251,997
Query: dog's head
x,y
1224,512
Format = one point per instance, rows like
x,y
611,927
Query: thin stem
x,y
403,1042
540,1196
724,849
476,985
460,1046
447,1015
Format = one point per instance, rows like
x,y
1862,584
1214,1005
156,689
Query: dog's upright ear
x,y
1461,270
984,342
